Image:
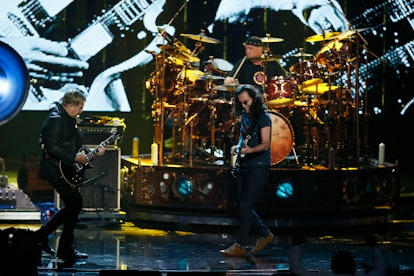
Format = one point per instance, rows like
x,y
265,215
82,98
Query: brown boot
x,y
236,250
262,242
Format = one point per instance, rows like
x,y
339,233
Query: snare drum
x,y
281,143
279,92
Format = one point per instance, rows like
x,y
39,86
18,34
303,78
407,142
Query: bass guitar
x,y
236,166
74,174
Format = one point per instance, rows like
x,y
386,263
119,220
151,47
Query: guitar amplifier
x,y
100,189
93,135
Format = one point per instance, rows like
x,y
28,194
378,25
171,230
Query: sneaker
x,y
80,255
72,255
236,250
262,242
49,250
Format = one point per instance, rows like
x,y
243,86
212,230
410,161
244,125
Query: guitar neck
x,y
98,35
40,13
93,153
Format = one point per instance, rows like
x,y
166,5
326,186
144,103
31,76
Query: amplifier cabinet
x,y
101,186
100,189
94,135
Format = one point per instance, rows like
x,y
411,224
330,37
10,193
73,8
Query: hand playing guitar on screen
x,y
56,67
321,15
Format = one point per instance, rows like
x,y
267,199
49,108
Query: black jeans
x,y
66,216
250,183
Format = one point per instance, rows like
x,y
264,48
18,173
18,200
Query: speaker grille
x,y
101,186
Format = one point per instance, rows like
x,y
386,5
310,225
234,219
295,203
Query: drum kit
x,y
187,93
321,112
304,103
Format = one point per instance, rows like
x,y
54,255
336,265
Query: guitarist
x,y
60,141
254,169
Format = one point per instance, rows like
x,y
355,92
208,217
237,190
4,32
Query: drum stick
x,y
238,68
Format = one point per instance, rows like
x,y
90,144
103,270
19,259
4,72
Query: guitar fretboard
x,y
396,56
98,35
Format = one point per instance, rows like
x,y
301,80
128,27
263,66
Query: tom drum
x,y
279,92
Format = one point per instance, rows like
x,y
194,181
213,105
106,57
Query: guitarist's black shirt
x,y
257,159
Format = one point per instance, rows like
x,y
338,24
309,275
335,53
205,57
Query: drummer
x,y
257,67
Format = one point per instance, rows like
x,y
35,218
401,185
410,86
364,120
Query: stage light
x,y
163,187
208,188
14,83
182,187
284,189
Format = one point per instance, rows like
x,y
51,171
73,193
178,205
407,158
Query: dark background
x,y
389,83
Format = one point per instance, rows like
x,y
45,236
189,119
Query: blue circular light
x,y
182,187
14,83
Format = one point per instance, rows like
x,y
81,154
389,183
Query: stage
x,y
179,196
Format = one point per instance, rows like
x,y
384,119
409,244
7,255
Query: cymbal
x,y
322,37
191,74
179,50
318,89
282,102
300,103
266,58
311,82
202,38
271,39
210,77
349,33
200,99
227,87
301,55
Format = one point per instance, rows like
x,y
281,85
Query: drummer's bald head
x,y
254,41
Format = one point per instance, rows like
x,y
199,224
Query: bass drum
x,y
281,143
14,83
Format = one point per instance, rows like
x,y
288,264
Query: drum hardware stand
x,y
366,113
190,121
186,120
213,115
294,153
158,114
312,148
159,123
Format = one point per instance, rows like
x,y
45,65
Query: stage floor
x,y
121,246
124,246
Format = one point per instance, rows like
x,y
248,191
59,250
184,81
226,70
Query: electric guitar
x,y
236,167
75,173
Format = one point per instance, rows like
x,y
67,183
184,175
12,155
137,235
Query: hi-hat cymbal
x,y
227,87
301,55
266,58
202,38
322,37
210,77
271,39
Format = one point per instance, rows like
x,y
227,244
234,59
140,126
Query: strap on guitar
x,y
250,130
